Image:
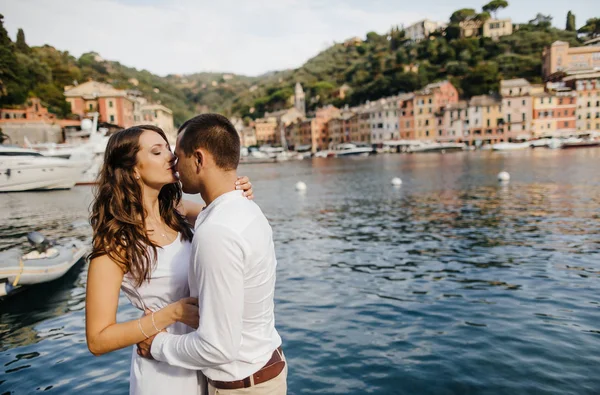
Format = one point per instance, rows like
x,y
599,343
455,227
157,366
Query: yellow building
x,y
485,120
266,129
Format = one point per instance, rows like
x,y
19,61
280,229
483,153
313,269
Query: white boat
x,y
23,169
436,147
349,149
47,262
254,156
325,154
511,146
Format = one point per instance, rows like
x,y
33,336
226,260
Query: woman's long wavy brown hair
x,y
118,217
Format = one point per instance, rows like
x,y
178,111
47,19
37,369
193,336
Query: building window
x,y
523,102
427,122
112,118
91,106
439,132
523,117
488,123
110,103
508,103
566,124
427,133
560,101
508,117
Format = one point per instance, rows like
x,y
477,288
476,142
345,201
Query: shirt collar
x,y
219,200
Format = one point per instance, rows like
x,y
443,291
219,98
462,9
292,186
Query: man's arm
x,y
218,259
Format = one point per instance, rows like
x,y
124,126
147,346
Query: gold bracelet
x,y
142,329
154,323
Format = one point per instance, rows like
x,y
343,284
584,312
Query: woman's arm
x,y
190,210
103,334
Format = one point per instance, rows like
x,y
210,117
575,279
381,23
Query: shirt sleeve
x,y
218,264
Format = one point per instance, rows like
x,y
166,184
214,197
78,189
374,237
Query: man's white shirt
x,y
232,273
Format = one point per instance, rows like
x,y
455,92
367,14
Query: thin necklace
x,y
163,233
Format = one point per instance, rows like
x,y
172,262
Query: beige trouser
x,y
275,386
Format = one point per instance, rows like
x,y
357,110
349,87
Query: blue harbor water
x,y
449,284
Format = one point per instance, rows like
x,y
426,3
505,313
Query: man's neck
x,y
216,184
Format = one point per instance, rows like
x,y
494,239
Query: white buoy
x,y
300,186
503,176
396,181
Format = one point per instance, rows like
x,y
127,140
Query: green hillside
x,y
378,66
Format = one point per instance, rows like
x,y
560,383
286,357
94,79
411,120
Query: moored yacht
x,y
349,149
511,146
23,169
436,147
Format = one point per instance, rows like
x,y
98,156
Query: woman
x,y
141,244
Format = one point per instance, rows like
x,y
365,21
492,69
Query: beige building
x,y
455,122
421,30
266,130
248,136
561,57
161,116
496,28
517,107
493,28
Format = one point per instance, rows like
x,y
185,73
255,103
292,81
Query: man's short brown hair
x,y
214,133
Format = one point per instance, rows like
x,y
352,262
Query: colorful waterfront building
x,y
114,106
266,130
587,87
517,108
554,113
486,125
455,122
429,103
406,113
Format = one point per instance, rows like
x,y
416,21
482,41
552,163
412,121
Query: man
x,y
232,272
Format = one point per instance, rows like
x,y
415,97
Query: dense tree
x,y
571,27
21,45
462,15
12,89
541,20
482,80
495,5
591,28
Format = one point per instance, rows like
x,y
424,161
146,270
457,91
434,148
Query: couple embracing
x,y
203,276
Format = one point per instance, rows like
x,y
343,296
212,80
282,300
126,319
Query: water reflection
x,y
450,284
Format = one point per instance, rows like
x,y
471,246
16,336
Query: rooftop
x,y
94,89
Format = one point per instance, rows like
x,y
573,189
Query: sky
x,y
241,36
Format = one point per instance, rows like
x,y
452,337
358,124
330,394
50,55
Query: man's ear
x,y
199,159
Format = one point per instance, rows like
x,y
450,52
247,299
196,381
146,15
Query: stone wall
x,y
35,132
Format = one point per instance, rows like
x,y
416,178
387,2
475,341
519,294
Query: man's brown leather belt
x,y
266,373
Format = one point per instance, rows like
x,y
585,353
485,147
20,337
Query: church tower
x,y
299,101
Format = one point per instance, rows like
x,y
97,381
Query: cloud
x,y
186,36
191,36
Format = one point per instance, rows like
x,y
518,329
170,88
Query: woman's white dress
x,y
168,284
